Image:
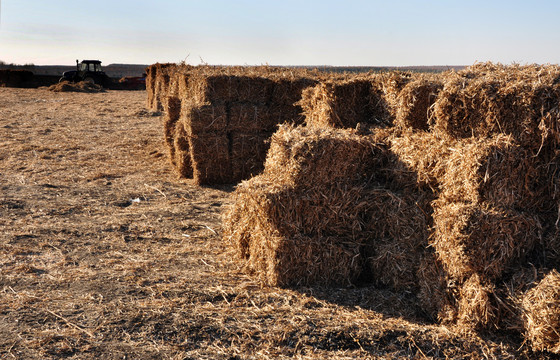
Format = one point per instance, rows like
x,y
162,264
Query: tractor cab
x,y
89,65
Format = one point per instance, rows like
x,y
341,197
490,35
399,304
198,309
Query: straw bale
x,y
15,77
304,156
210,158
541,308
523,105
325,185
415,100
294,237
172,114
209,88
203,119
391,84
438,293
477,306
151,86
181,154
398,230
479,238
248,154
288,90
498,171
251,118
423,153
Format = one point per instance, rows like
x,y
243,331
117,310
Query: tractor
x,y
88,71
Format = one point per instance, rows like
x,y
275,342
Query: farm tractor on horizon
x,y
89,71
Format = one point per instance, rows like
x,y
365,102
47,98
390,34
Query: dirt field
x,y
105,254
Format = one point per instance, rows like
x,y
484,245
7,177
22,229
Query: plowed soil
x,y
106,254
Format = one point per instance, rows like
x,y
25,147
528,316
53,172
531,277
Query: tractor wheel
x,y
89,80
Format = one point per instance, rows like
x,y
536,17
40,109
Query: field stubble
x,y
105,253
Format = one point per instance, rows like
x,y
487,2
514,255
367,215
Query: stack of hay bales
x,y
218,119
15,78
323,212
346,101
157,84
470,158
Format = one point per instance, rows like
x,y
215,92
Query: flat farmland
x,y
105,253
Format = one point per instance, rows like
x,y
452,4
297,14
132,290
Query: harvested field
x,y
106,254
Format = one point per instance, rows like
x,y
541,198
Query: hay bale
x,y
415,100
304,156
345,103
498,171
205,119
477,306
541,309
150,86
398,233
251,118
182,154
172,114
248,154
422,153
516,102
322,186
210,158
15,78
289,237
479,238
213,86
288,88
437,294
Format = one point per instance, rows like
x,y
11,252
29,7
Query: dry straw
x,y
479,238
541,309
415,101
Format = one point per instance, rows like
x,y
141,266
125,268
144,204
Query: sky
x,y
281,32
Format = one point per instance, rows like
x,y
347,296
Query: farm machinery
x,y
88,71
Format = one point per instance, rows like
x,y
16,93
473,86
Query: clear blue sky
x,y
281,32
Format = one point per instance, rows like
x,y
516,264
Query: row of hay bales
x,y
445,186
15,78
218,120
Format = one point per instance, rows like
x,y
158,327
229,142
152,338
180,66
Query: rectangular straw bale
x,y
477,308
398,237
204,119
541,312
208,88
483,106
248,154
210,158
151,86
497,171
344,104
181,153
251,118
305,156
479,238
437,294
288,90
415,100
422,153
388,86
294,238
172,114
